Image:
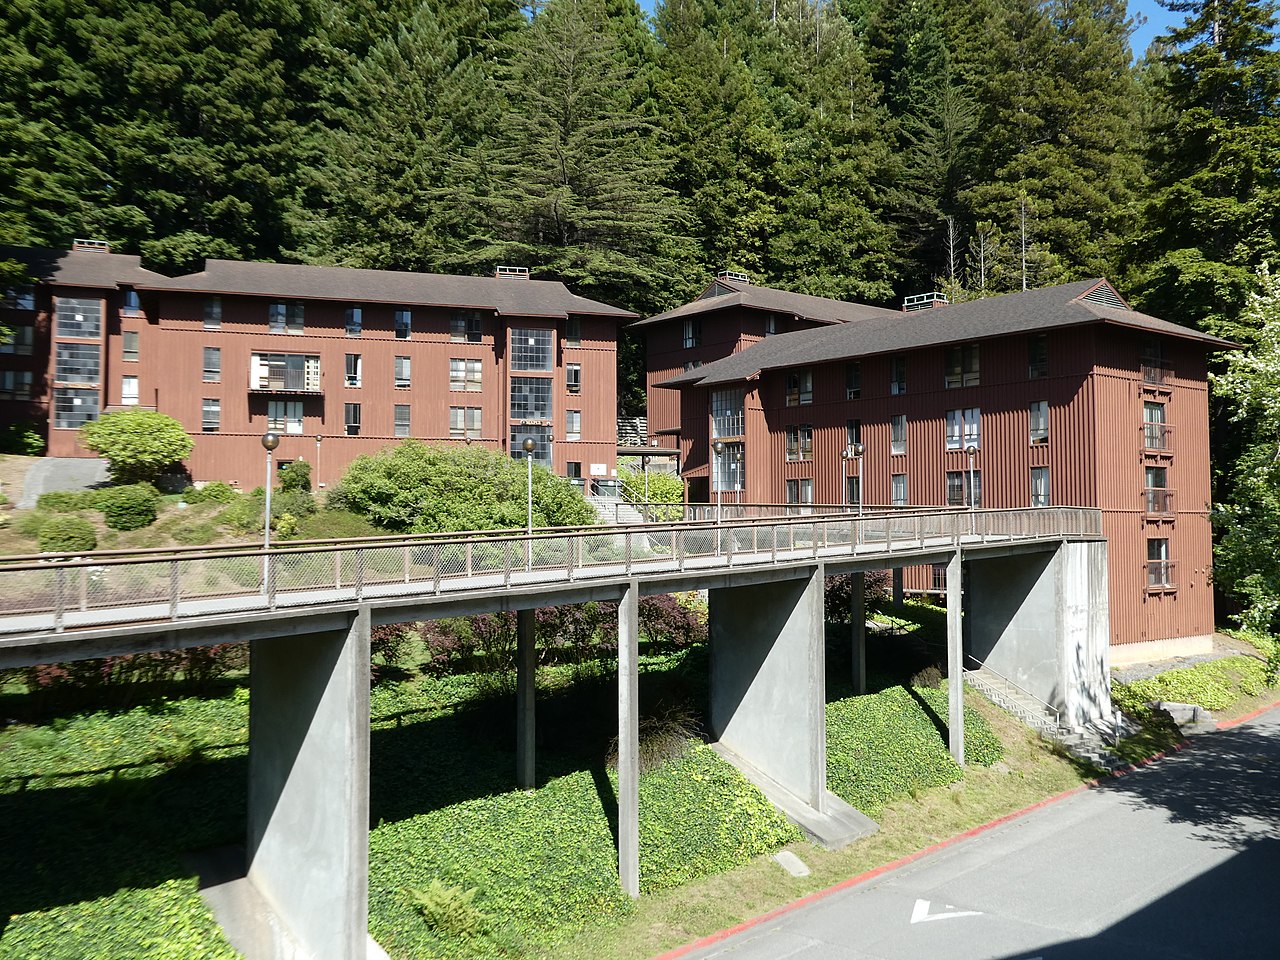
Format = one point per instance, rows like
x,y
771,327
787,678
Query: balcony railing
x,y
1156,373
1157,437
1162,574
287,381
1158,501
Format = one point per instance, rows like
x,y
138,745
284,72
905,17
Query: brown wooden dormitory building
x,y
340,362
1057,396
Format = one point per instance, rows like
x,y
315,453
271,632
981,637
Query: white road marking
x,y
920,912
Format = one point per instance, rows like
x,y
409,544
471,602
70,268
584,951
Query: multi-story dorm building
x,y
1057,396
339,362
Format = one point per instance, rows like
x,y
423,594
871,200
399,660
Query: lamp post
x,y
718,448
529,446
858,449
972,451
270,440
318,483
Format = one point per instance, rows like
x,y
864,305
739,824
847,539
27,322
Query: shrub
x,y
336,524
296,503
243,514
663,487
22,439
838,596
28,523
449,910
137,444
668,624
128,508
215,492
67,535
67,501
195,533
295,477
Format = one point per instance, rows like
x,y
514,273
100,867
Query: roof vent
x,y
1105,295
737,276
924,301
511,273
91,246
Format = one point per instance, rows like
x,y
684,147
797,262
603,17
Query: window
x,y
897,374
938,577
962,366
898,433
852,432
465,375
1038,356
22,342
464,422
210,415
1155,432
351,418
853,491
132,306
284,416
771,325
464,327
1039,421
1158,495
573,332
852,380
541,437
73,408
691,365
799,387
531,349
354,375
129,391
573,377
404,324
530,398
129,345
77,363
212,364
295,372
573,470
1040,486
213,313
898,487
355,321
800,491
285,317
15,384
19,298
402,420
800,442
403,372
1157,477
728,468
959,483
1159,567
79,318
964,428
727,414
1155,371
692,332
573,424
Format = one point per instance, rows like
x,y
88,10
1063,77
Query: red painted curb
x,y
1228,724
720,935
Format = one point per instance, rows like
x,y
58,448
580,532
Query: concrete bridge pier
x,y
308,837
858,631
629,739
768,698
955,659
526,673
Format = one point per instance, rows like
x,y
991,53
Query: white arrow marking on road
x,y
920,912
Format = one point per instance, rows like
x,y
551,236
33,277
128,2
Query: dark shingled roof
x,y
817,309
81,268
525,298
1029,311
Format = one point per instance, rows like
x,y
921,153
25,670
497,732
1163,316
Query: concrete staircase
x,y
1088,743
614,511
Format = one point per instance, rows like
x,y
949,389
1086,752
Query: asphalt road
x,y
1178,860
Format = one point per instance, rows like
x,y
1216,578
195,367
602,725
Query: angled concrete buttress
x,y
526,672
308,842
629,739
768,698
1041,620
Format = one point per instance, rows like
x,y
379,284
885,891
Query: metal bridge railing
x,y
51,592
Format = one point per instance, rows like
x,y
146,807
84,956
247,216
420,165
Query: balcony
x,y
1157,438
1161,575
1158,503
285,373
1156,375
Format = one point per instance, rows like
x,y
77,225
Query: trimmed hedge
x,y
67,535
128,508
66,501
215,492
886,746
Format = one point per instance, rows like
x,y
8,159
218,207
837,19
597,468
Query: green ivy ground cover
x,y
1214,685
888,745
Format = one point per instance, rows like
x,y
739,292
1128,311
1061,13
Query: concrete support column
x,y
1084,630
858,624
526,674
308,841
955,661
899,594
768,687
629,740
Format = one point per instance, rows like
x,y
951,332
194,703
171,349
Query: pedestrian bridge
x,y
1026,594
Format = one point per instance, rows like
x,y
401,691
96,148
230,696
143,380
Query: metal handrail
x,y
1057,714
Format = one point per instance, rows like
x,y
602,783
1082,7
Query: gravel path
x,y
61,473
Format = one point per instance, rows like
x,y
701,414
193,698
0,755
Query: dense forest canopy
x,y
859,149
